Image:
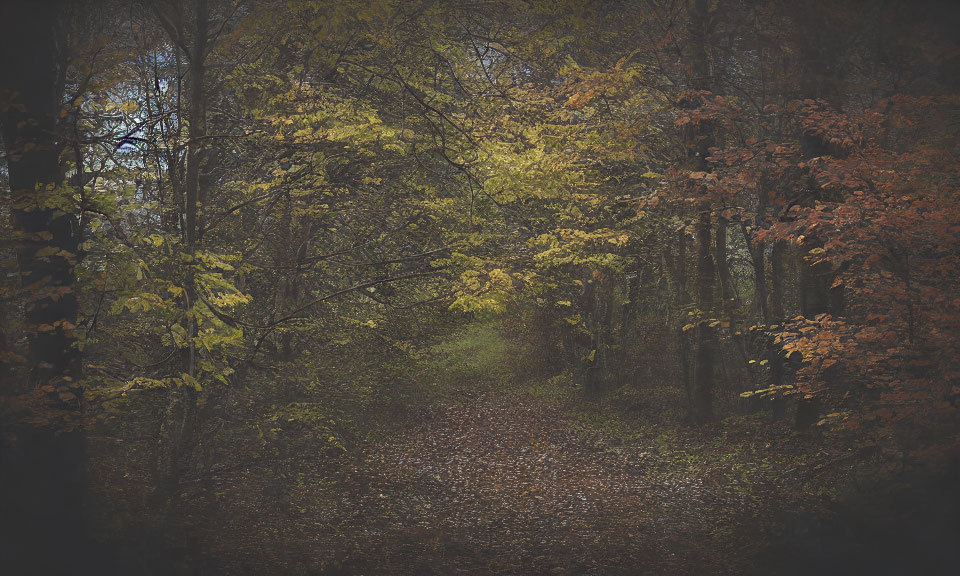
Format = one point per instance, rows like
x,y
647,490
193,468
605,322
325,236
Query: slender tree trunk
x,y
284,259
605,341
182,418
195,155
814,300
729,299
758,262
758,258
723,270
683,293
704,375
682,300
777,255
628,327
588,342
777,367
698,151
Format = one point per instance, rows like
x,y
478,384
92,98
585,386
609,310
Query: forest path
x,y
480,472
507,483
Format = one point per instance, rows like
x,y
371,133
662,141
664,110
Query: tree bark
x,y
42,477
777,368
777,255
183,425
703,378
698,152
682,300
196,117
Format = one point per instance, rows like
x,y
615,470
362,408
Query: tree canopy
x,y
245,241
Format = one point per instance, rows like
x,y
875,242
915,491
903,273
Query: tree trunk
x,y
727,293
682,300
42,479
183,425
698,151
761,294
196,118
777,368
777,255
703,378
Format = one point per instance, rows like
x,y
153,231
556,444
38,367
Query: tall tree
x,y
699,142
42,452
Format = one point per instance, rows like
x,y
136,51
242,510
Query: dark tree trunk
x,y
196,117
815,282
703,377
777,368
682,300
777,255
701,141
182,425
683,294
30,78
42,480
761,293
627,327
727,294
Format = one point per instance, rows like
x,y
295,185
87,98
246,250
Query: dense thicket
x,y
239,236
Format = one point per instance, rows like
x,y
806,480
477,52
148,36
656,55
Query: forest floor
x,y
475,463
494,484
485,469
496,475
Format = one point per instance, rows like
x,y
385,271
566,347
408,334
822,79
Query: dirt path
x,y
508,484
498,484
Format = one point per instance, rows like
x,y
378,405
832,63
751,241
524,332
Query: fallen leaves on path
x,y
496,484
